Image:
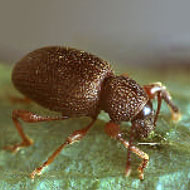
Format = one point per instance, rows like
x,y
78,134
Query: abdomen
x,y
62,79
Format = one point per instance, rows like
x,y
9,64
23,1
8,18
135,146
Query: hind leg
x,y
28,117
21,100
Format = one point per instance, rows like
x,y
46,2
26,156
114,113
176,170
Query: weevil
x,y
76,83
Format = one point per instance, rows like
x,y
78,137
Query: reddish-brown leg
x,y
128,163
74,137
160,91
113,130
22,100
29,117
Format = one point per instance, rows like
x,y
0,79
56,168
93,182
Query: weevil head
x,y
125,100
143,122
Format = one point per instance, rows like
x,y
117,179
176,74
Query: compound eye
x,y
146,111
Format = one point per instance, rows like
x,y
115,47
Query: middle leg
x,y
74,137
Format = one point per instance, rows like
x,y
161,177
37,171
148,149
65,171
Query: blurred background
x,y
120,31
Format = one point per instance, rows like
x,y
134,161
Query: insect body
x,y
76,83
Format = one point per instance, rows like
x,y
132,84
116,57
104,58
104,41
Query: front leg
x,y
160,91
113,130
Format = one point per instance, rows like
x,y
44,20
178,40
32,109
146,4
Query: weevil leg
x,y
21,100
128,163
160,91
74,137
113,130
29,117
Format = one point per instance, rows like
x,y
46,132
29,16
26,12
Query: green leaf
x,y
97,162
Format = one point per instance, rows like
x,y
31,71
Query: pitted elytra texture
x,y
62,79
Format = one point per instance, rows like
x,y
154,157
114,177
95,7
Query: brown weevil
x,y
76,83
